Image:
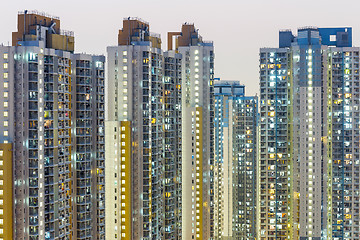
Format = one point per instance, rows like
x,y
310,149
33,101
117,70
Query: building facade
x,y
235,162
143,146
154,100
38,118
312,79
273,153
197,104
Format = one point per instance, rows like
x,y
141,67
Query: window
x,y
6,75
5,114
6,85
1,162
6,65
6,94
6,56
1,182
1,153
6,104
1,192
6,133
6,123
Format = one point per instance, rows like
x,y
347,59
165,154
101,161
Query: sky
x,y
238,28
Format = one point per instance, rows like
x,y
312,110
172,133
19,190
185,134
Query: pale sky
x,y
238,28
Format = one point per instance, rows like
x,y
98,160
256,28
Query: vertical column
x,y
6,191
199,173
329,150
126,199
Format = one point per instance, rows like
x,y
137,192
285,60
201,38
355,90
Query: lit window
x,y
6,133
1,182
6,75
1,192
1,162
124,53
125,60
5,114
6,65
1,230
6,85
6,56
6,104
1,153
6,123
1,222
6,94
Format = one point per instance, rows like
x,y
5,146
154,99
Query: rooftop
x,y
35,12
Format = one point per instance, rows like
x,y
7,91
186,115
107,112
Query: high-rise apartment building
x,y
88,139
273,153
309,159
235,162
143,146
154,100
52,127
197,105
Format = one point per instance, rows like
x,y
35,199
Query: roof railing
x,y
136,19
44,14
285,30
67,33
156,35
308,27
